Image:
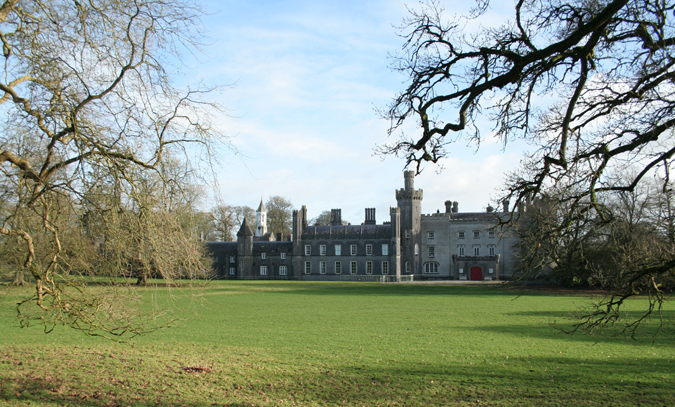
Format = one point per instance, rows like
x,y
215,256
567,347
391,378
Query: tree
x,y
589,83
322,220
91,119
224,218
240,213
279,215
227,220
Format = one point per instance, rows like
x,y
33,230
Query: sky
x,y
307,78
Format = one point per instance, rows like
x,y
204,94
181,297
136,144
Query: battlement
x,y
436,215
409,194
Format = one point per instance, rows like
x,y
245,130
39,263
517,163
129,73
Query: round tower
x,y
409,201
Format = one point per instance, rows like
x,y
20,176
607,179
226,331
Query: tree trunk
x,y
18,277
142,278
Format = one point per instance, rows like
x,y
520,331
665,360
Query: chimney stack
x,y
370,216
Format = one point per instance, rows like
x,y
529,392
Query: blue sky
x,y
307,78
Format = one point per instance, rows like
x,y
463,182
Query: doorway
x,y
476,273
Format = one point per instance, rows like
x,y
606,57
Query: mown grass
x,y
328,343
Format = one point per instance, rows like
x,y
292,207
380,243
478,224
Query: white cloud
x,y
308,75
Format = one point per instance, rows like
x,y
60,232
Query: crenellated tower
x,y
409,202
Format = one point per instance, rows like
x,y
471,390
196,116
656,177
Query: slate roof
x,y
245,230
272,247
482,216
348,229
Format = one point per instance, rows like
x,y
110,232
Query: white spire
x,y
261,220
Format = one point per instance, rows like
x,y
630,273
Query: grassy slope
x,y
301,343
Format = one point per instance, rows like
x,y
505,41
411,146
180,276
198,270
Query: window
x,y
369,250
369,267
385,250
431,235
460,235
322,267
283,256
283,270
461,271
491,249
241,266
491,234
476,234
232,259
308,250
431,267
263,270
408,269
476,250
353,250
217,259
233,271
263,256
352,267
432,249
338,267
385,267
322,250
338,250
460,250
491,271
407,233
308,267
417,249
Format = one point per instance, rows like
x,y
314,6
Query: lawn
x,y
331,343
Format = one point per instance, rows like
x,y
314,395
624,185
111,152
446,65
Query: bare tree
x,y
322,220
589,83
240,213
224,219
91,116
279,215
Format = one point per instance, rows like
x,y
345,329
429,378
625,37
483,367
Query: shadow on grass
x,y
560,327
376,288
358,288
528,381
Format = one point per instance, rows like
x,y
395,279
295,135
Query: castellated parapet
x,y
403,194
409,192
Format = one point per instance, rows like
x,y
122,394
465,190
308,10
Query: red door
x,y
476,273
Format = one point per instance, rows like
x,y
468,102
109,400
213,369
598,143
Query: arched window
x,y
430,267
408,269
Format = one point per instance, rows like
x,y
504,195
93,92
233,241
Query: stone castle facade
x,y
445,245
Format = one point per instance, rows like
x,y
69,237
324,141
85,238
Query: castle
x,y
444,245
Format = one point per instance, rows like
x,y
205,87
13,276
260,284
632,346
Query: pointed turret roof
x,y
261,207
245,230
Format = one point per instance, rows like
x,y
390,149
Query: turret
x,y
244,248
409,202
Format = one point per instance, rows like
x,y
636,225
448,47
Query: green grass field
x,y
327,343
